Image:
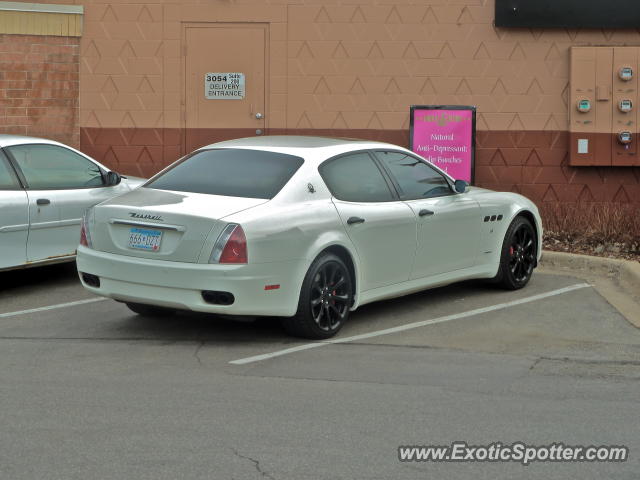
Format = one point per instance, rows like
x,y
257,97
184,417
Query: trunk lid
x,y
164,225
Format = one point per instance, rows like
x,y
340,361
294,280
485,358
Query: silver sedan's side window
x,y
415,178
7,177
47,167
356,178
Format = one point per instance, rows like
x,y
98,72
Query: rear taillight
x,y
85,234
231,246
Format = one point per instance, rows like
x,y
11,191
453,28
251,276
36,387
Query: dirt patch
x,y
603,230
558,242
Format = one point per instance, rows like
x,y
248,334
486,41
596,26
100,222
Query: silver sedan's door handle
x,y
424,212
353,220
43,201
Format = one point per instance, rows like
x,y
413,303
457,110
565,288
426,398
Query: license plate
x,y
145,239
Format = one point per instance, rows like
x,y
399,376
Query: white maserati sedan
x,y
302,228
45,187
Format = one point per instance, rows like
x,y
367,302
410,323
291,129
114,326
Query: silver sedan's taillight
x,y
85,232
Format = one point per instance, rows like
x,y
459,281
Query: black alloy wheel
x,y
519,255
522,253
325,299
330,296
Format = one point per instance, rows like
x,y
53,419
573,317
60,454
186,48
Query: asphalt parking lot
x,y
90,390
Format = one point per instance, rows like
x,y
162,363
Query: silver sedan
x,y
45,187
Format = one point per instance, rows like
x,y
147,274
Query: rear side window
x,y
230,172
415,178
355,178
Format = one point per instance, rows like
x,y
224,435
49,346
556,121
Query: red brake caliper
x,y
511,251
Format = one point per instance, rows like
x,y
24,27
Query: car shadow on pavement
x,y
423,304
192,326
14,282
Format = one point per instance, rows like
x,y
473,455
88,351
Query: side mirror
x,y
460,186
113,179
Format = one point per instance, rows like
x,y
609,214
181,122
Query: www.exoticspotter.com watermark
x,y
518,452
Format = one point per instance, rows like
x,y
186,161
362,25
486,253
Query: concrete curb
x,y
626,271
621,286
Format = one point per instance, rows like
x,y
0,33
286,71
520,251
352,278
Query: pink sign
x,y
445,137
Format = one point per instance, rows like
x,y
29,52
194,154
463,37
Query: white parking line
x,y
51,307
410,326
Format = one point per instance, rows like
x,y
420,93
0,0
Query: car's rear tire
x,y
150,310
326,297
518,255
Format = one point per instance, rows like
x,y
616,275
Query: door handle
x,y
353,220
43,201
424,212
259,116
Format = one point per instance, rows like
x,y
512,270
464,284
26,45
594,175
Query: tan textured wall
x,y
353,67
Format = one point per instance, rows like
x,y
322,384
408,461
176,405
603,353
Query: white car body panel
x,y
14,227
32,234
387,238
178,284
54,228
192,217
285,234
447,239
493,232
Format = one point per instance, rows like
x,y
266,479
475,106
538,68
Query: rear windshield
x,y
230,172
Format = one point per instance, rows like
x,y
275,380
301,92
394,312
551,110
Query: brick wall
x,y
39,86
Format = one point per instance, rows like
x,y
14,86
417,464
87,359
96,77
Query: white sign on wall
x,y
224,86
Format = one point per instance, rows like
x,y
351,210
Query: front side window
x,y
415,177
7,178
49,167
356,178
230,172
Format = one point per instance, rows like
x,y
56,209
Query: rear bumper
x,y
180,285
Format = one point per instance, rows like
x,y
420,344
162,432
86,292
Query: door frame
x,y
184,74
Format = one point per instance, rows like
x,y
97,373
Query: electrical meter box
x,y
625,74
584,105
625,106
603,123
625,137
